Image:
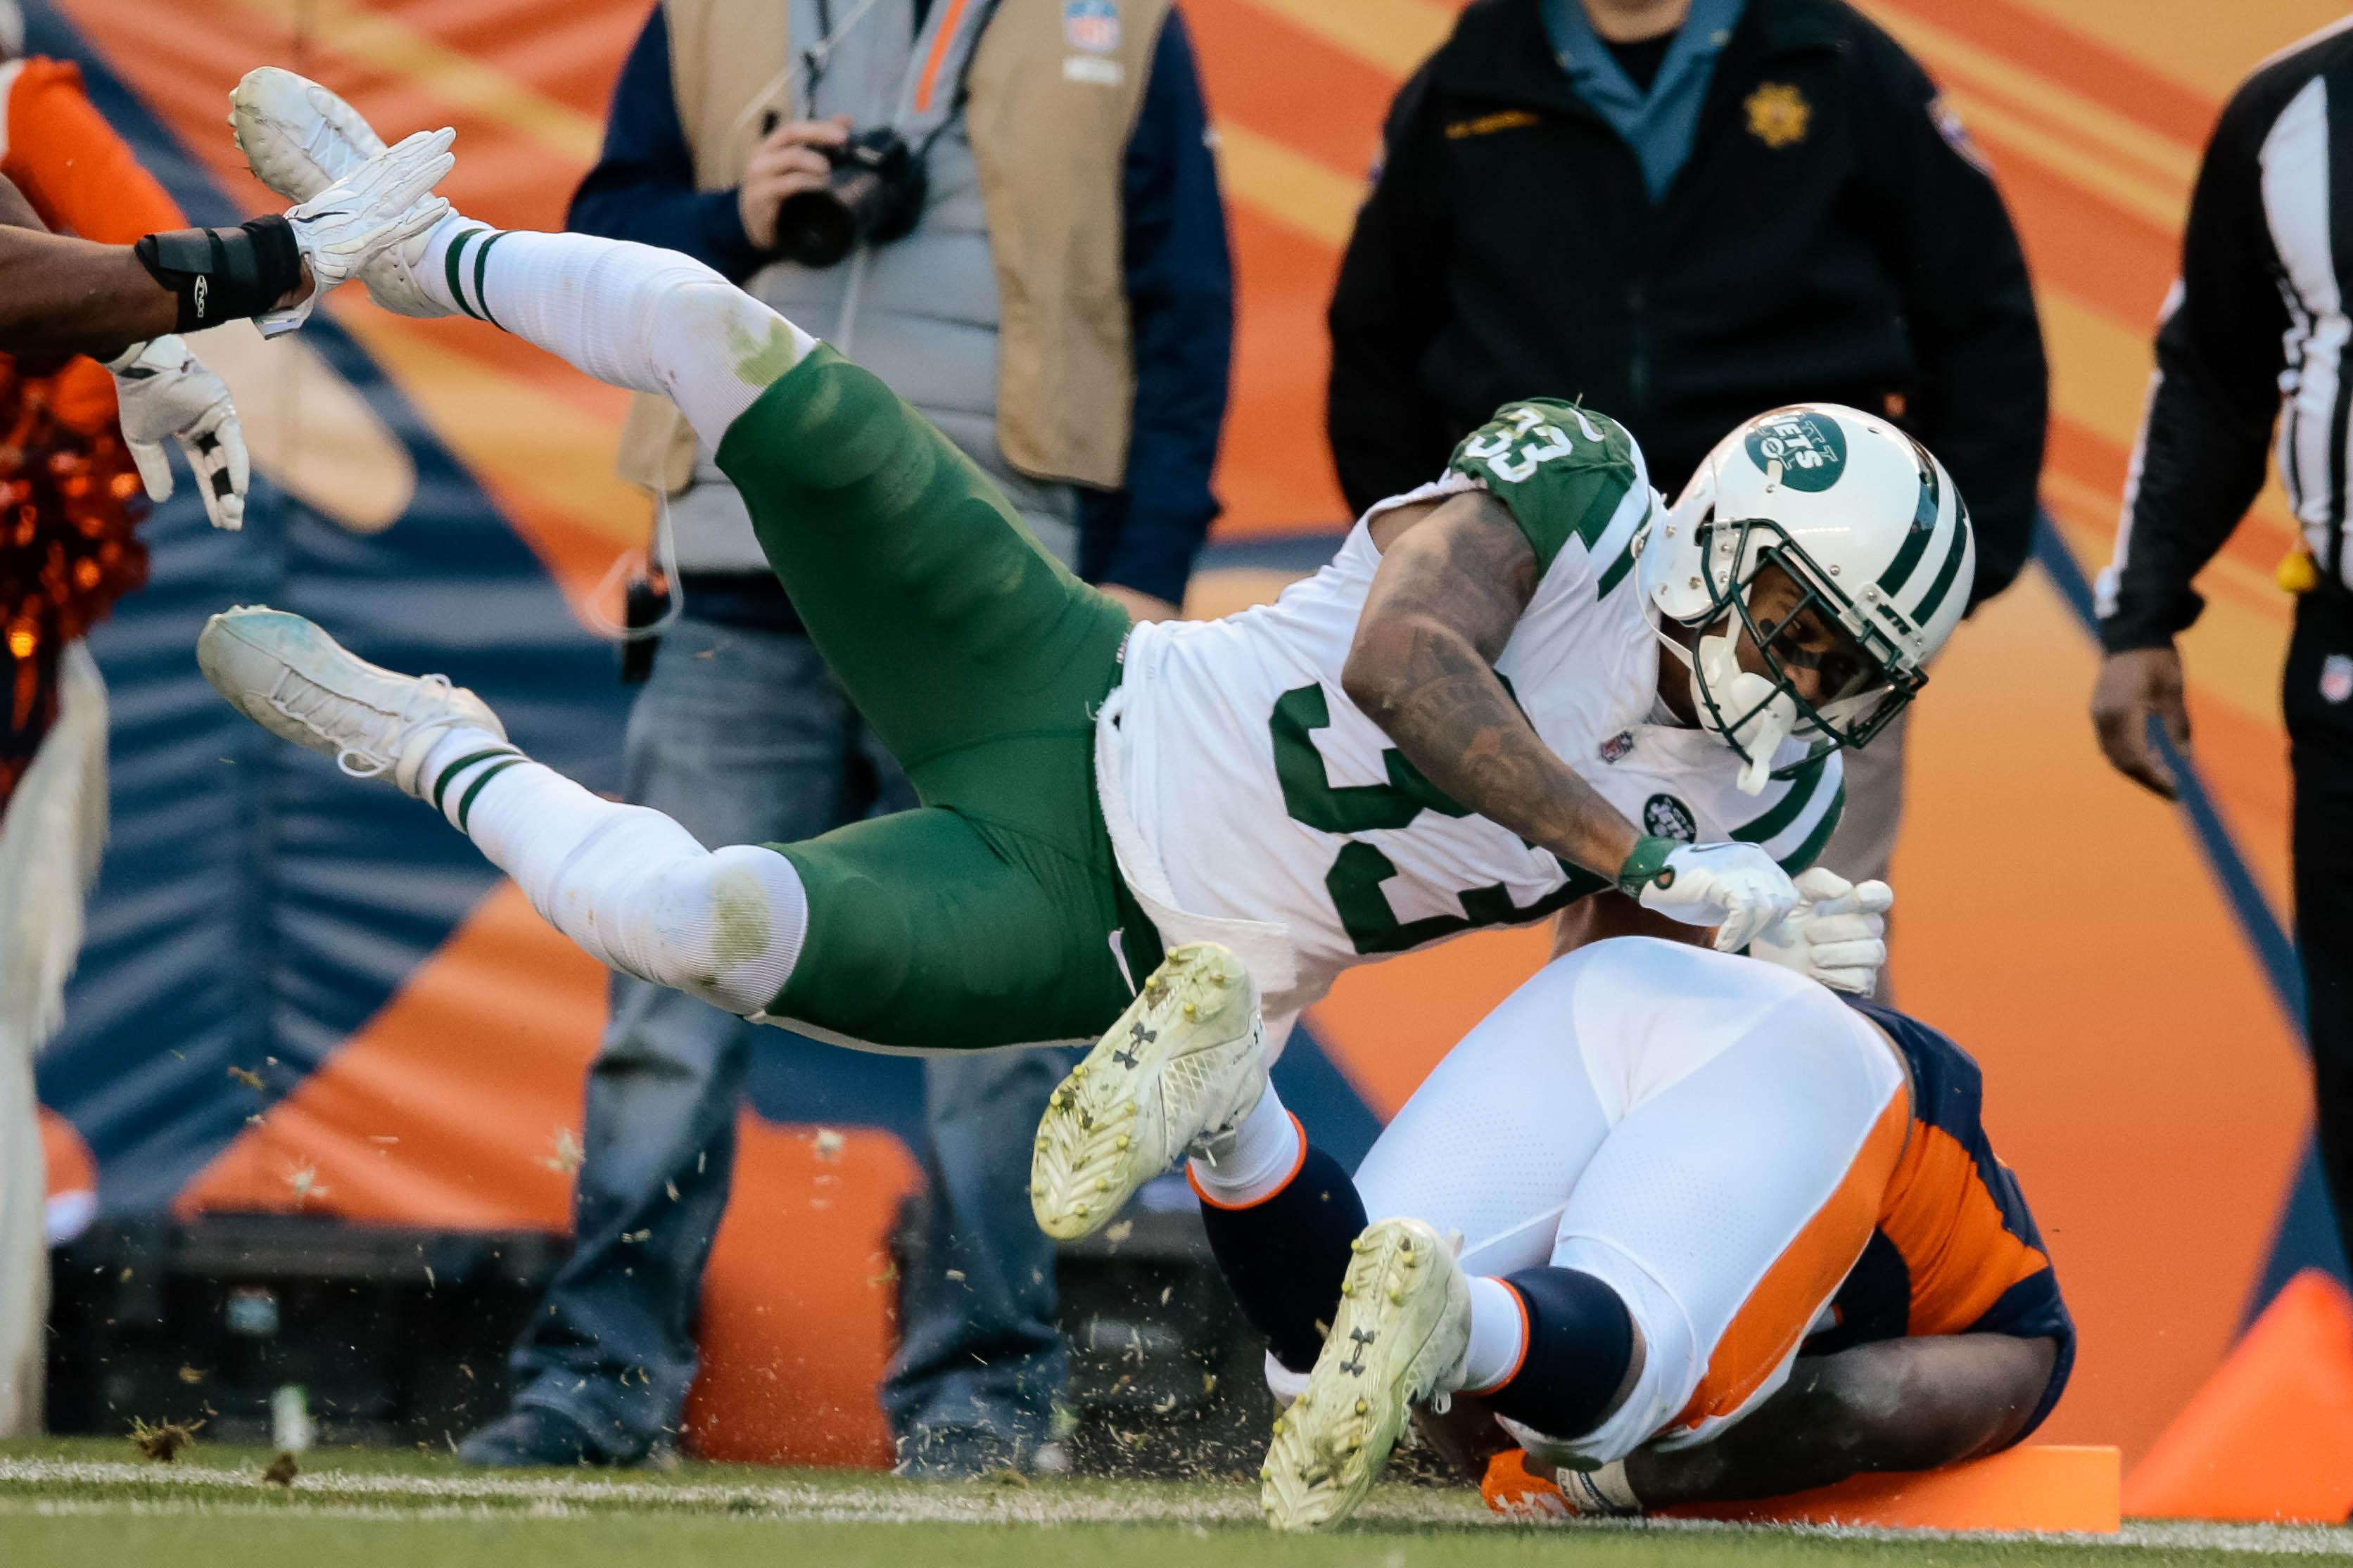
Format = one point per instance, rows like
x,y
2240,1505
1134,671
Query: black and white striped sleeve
x,y
2199,458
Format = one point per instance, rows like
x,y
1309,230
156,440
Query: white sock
x,y
1252,1162
1499,1335
629,885
628,314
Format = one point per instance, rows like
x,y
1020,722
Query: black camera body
x,y
873,195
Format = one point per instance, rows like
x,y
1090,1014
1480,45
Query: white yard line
x,y
210,1491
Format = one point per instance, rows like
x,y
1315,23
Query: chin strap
x,y
1727,687
1720,686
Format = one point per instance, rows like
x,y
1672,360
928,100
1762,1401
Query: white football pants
x,y
1709,1135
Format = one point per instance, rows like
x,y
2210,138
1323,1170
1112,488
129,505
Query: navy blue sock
x,y
1580,1342
1286,1255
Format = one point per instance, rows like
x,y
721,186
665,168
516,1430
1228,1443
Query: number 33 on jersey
x,y
1257,791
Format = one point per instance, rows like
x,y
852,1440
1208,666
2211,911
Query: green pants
x,y
984,916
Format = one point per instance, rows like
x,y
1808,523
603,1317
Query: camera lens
x,y
872,195
814,228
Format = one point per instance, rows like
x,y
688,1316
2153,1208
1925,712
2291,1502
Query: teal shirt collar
x,y
1660,125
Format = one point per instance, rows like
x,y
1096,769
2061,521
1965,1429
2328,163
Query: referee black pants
x,y
2319,699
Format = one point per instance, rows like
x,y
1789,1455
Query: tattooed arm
x,y
1453,583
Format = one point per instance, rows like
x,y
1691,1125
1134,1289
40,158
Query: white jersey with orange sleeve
x,y
1250,801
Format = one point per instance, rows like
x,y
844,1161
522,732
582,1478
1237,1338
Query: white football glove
x,y
1733,886
163,390
1838,936
385,201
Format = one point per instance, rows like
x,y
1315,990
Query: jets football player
x,y
1479,713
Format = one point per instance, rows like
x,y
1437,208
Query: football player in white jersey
x,y
1480,711
1666,1228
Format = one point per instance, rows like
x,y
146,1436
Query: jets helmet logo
x,y
1664,817
1812,450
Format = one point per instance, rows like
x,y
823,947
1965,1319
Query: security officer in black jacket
x,y
1687,212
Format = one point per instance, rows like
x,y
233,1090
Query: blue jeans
x,y
742,737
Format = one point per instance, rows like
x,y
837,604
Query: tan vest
x,y
1049,127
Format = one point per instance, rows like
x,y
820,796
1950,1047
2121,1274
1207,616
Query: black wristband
x,y
224,274
1647,865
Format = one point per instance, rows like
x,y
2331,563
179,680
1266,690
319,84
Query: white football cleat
x,y
1184,1062
299,138
1402,1330
300,684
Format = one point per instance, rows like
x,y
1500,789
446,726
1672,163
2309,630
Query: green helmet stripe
x,y
1792,805
1946,574
1915,540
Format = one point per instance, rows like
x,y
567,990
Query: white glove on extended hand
x,y
1838,936
1733,886
163,390
385,201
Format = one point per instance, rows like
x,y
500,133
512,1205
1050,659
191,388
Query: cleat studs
x,y
1079,1071
1279,1428
1122,1142
1363,1407
1041,1142
1397,1297
1346,1288
1102,1185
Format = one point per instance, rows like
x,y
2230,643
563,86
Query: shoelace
x,y
308,699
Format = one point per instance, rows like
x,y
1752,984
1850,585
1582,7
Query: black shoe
x,y
530,1437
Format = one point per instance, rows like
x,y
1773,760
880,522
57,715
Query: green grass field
x,y
97,1504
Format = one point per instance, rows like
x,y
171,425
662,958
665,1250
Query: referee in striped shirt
x,y
2254,336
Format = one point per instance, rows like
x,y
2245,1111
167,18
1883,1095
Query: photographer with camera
x,y
1007,209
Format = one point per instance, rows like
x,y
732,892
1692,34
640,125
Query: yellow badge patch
x,y
1778,114
1488,124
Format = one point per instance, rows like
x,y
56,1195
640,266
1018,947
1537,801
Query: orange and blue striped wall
x,y
443,495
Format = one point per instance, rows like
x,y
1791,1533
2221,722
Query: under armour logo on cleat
x,y
1137,1036
1355,1366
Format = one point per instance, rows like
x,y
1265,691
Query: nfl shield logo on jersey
x,y
1664,817
2337,678
1615,748
1092,26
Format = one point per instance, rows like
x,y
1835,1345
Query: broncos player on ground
x,y
1460,722
1721,1236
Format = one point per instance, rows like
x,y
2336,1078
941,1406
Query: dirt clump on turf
x,y
161,1444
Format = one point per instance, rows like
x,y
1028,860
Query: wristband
x,y
224,274
1647,866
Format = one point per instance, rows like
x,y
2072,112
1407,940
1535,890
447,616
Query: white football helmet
x,y
1866,521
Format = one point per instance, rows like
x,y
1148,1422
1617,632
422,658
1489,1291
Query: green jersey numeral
x,y
1357,875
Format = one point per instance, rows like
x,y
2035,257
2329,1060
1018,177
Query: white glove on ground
x,y
1838,935
163,391
1733,886
385,201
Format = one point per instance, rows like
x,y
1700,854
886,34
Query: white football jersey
x,y
1259,792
